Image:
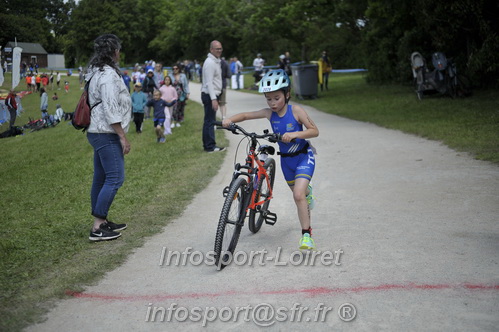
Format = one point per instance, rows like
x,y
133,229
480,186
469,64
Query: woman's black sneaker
x,y
103,234
111,226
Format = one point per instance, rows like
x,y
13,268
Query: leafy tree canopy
x,y
378,35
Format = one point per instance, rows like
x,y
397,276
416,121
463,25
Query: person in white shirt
x,y
142,75
59,113
58,81
110,118
258,64
239,69
210,92
136,76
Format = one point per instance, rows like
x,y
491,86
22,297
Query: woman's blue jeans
x,y
109,171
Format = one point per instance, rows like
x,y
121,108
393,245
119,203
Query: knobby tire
x,y
230,222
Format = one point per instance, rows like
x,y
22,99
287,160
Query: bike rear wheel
x,y
230,222
257,215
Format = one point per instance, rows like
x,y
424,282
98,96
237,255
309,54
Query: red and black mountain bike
x,y
250,190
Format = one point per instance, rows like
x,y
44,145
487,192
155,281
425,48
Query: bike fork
x,y
246,202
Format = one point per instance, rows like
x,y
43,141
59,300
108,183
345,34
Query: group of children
x,y
162,104
34,82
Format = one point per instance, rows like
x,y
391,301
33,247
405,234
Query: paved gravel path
x,y
407,236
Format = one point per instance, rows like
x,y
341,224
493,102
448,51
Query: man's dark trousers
x,y
209,142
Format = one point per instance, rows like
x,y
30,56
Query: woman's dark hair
x,y
105,48
42,90
180,67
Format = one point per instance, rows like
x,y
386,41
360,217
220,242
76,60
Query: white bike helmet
x,y
274,80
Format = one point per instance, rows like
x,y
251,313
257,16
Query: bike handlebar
x,y
271,137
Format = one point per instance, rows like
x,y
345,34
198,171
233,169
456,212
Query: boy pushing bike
x,y
297,155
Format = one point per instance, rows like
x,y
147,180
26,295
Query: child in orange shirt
x,y
28,82
45,80
38,80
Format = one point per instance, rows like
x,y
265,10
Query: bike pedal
x,y
225,191
270,218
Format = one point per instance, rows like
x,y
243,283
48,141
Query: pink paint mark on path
x,y
308,291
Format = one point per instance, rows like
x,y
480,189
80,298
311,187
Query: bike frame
x,y
254,168
253,174
261,171
245,188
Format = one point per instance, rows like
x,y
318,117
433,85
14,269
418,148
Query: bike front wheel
x,y
230,222
257,215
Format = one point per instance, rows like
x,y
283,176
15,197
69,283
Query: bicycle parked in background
x,y
250,190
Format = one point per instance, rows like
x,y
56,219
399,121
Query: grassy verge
x,y
465,124
45,206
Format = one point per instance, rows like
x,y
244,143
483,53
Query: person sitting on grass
x,y
59,113
297,154
159,118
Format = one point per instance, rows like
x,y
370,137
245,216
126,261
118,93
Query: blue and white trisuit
x,y
297,158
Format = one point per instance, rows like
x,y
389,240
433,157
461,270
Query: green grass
x,y
45,206
46,178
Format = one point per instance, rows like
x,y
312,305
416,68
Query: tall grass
x,y
45,205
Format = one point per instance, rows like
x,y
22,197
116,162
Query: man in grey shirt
x,y
210,92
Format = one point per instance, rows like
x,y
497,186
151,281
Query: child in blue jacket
x,y
139,101
159,118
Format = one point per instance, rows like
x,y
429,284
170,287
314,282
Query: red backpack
x,y
81,115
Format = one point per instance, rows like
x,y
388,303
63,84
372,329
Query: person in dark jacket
x,y
11,104
148,87
223,96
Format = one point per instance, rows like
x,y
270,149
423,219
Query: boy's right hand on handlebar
x,y
226,123
288,137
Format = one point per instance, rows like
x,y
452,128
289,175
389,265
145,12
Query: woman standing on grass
x,y
181,84
109,124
